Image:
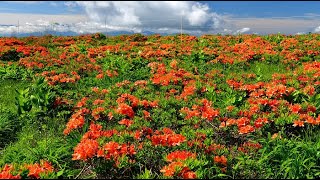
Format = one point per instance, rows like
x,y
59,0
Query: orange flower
x,y
230,122
126,122
125,110
229,108
99,76
259,122
98,102
180,155
95,89
87,148
36,169
75,122
6,173
243,121
168,139
275,135
171,168
246,129
110,115
220,160
298,123
104,91
295,108
96,112
173,64
146,114
186,173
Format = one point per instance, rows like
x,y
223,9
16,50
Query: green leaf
x,y
59,173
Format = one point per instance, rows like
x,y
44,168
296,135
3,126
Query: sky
x,y
195,17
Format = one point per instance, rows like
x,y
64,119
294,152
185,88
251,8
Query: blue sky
x,y
262,17
266,8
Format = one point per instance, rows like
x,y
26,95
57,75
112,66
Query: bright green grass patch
x,y
7,93
292,158
9,123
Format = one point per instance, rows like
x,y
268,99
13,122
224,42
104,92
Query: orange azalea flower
x,y
109,133
186,173
110,115
5,173
180,155
171,168
243,121
255,108
146,114
125,110
82,102
220,160
259,122
230,122
134,100
95,89
99,76
173,64
168,139
154,104
275,135
246,129
222,125
36,169
295,108
230,108
167,131
298,123
75,122
87,148
112,149
137,134
96,112
94,132
311,108
318,119
115,150
104,91
209,114
126,122
98,102
310,120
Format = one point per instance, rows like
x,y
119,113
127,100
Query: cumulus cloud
x,y
317,29
243,30
152,15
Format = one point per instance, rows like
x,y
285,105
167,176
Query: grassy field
x,y
135,106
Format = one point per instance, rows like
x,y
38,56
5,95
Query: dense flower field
x,y
135,106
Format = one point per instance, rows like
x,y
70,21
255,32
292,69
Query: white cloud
x,y
152,15
70,4
300,33
243,30
317,29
